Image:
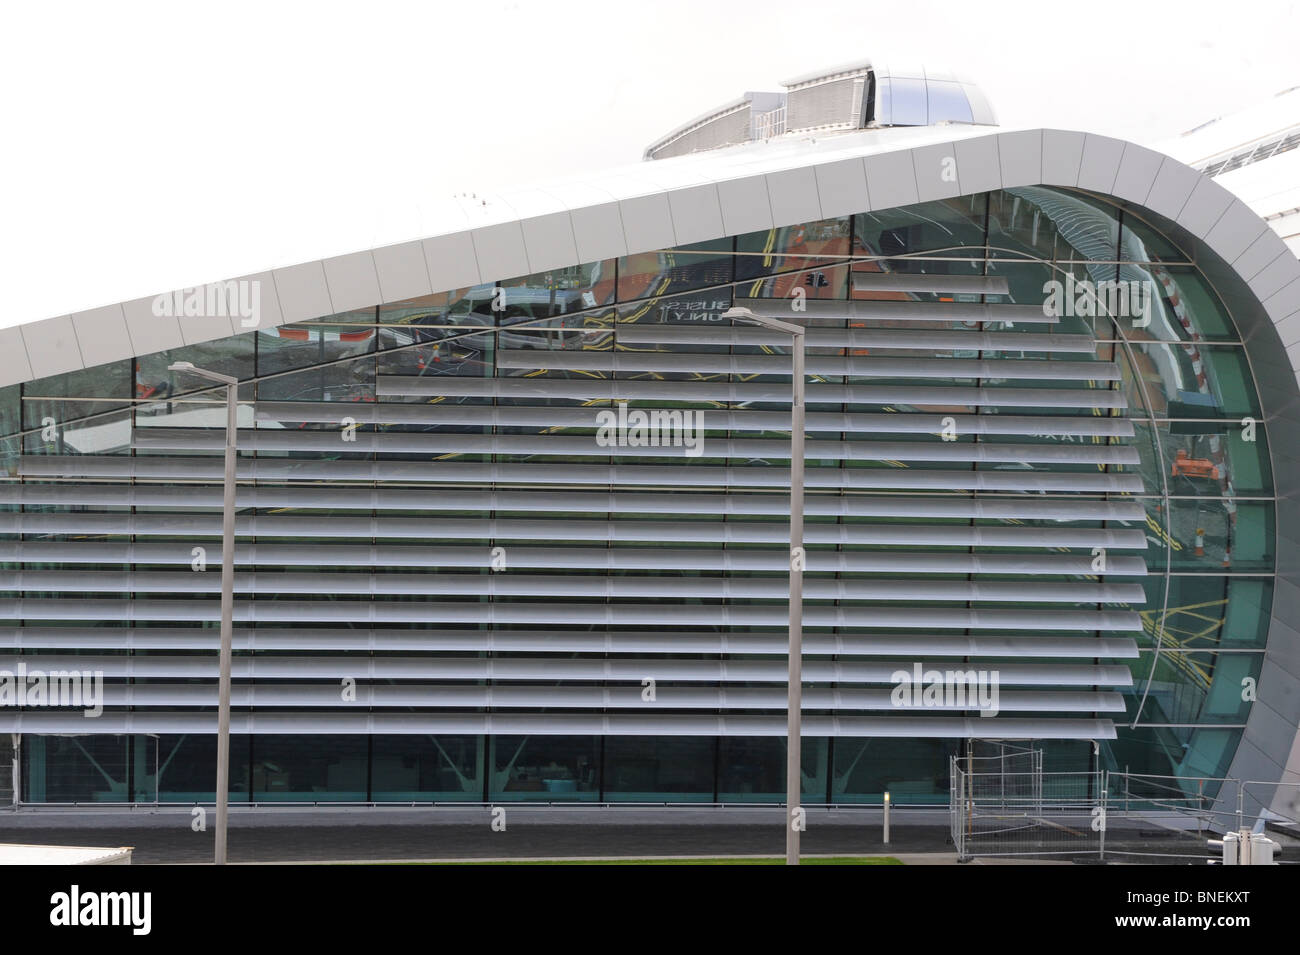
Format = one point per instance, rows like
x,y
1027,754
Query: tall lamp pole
x,y
227,595
794,676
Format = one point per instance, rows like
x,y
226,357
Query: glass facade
x,y
428,510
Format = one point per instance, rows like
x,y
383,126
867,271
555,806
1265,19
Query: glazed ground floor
x,y
491,769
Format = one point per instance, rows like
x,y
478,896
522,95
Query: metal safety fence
x,y
1006,805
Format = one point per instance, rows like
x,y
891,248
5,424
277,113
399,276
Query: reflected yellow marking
x,y
1160,532
1176,639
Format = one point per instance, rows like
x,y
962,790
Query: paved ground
x,y
466,833
358,843
462,835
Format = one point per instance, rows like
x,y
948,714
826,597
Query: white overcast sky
x,y
151,146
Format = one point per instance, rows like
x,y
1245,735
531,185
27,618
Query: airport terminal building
x,y
513,497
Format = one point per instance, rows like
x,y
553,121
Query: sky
x,y
152,146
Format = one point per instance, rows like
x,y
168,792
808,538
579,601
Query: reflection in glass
x,y
544,769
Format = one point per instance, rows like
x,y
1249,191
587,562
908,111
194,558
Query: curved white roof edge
x,y
683,200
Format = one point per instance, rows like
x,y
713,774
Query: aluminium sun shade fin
x,y
929,283
517,416
733,532
533,614
323,554
171,467
874,309
542,585
646,333
191,439
1019,506
159,722
641,389
593,697
507,641
632,670
888,367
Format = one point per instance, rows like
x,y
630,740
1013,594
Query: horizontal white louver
x,y
879,338
517,416
886,367
326,696
419,528
423,612
522,556
582,585
919,282
547,724
770,449
695,477
879,394
507,668
823,310
566,641
1020,506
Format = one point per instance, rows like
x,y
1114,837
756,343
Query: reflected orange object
x,y
1187,466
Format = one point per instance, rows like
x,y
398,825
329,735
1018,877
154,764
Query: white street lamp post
x,y
794,677
227,596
